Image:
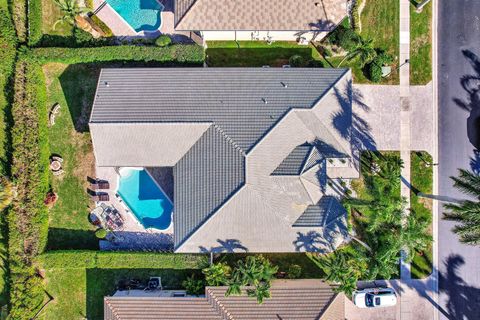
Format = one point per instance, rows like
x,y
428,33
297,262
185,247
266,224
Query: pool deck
x,y
134,235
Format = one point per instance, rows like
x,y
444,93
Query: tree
x,y
414,236
217,274
256,273
467,212
70,10
364,50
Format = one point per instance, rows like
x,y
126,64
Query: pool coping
x,y
124,203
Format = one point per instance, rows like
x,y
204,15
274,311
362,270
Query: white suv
x,y
375,298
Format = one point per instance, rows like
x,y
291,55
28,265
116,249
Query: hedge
x,y
28,216
19,17
35,21
75,259
183,53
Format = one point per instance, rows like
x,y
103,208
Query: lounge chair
x,y
100,185
101,197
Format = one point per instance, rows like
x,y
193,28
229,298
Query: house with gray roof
x,y
259,156
259,19
290,300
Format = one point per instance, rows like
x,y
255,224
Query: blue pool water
x,y
141,15
146,200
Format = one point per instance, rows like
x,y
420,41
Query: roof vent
x,y
284,84
106,84
317,4
264,100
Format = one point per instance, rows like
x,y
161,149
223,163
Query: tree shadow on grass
x,y
104,282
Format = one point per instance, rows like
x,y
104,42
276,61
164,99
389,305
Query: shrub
x,y
294,271
34,22
184,53
345,37
99,23
315,64
163,41
194,286
19,17
296,61
101,233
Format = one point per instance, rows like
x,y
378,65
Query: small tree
x,y
163,41
70,10
217,274
364,50
296,61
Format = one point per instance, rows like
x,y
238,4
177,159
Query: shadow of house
x,y
471,84
226,246
71,239
138,241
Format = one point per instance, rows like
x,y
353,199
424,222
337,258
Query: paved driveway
x,y
376,112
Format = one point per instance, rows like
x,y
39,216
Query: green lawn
x,y
73,87
50,14
422,180
78,288
421,45
255,53
282,260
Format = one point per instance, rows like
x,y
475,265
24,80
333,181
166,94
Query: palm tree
x,y
261,291
364,50
414,236
467,212
70,10
217,274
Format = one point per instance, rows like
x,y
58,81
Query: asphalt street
x,y
459,126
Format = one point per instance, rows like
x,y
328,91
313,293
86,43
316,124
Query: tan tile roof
x,y
259,15
290,299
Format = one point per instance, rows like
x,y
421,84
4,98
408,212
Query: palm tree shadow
x,y
475,162
312,241
471,84
226,246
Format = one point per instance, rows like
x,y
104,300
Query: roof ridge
x,y
214,301
229,139
177,23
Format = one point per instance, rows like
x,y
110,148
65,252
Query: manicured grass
x,y
73,87
78,288
422,181
421,45
255,53
282,260
51,13
381,22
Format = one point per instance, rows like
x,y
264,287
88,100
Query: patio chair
x,y
101,197
100,185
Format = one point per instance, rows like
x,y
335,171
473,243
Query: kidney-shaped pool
x,y
145,198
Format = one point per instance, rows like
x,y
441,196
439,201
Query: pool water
x,y
145,198
141,15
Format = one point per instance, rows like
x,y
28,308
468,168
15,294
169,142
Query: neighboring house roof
x,y
290,300
244,123
278,15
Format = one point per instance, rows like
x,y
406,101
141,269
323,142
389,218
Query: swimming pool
x,y
141,15
145,198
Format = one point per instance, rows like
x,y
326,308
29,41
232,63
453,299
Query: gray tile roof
x,y
205,178
294,163
290,300
244,102
327,210
278,15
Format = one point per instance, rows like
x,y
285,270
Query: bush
x,y
100,24
374,68
194,286
19,17
296,61
35,21
163,41
101,233
315,64
344,37
294,271
184,53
